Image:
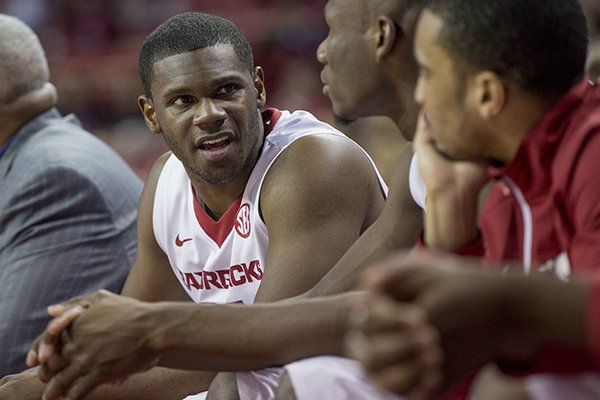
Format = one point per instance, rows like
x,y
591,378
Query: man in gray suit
x,y
67,201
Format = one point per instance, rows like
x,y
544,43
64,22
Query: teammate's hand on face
x,y
440,173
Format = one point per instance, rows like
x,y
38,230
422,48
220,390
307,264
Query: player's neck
x,y
211,214
216,199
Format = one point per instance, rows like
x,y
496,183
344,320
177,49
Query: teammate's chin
x,y
340,117
341,120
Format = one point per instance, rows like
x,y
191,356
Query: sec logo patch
x,y
242,221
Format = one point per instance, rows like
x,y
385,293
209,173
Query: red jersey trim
x,y
270,117
217,230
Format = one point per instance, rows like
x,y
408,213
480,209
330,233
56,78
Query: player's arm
x,y
173,385
320,195
151,277
117,337
397,227
453,192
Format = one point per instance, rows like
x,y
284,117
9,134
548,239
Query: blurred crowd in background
x,y
93,45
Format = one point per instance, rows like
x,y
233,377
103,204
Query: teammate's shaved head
x,y
403,12
23,64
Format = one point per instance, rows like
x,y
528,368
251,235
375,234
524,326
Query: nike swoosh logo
x,y
179,242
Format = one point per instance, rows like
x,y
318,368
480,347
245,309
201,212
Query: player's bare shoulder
x,y
325,173
327,159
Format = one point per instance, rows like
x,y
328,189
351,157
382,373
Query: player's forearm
x,y
377,241
450,220
397,228
552,311
207,336
158,383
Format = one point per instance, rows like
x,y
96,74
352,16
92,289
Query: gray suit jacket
x,y
68,205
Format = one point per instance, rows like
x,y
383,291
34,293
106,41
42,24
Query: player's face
x,y
207,106
443,94
346,76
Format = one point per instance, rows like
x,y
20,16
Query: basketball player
x,y
388,60
241,209
529,96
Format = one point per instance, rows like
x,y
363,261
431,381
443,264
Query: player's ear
x,y
490,94
259,85
387,32
147,107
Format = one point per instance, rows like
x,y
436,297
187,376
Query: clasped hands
x,y
92,340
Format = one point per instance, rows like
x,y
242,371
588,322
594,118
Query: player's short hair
x,y
540,45
187,32
23,64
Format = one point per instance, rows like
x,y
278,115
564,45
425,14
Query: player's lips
x,y
215,146
427,125
324,82
214,141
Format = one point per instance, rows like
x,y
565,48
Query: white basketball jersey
x,y
223,261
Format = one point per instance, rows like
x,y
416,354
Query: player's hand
x,y
22,386
469,308
442,174
453,189
105,344
64,314
397,347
